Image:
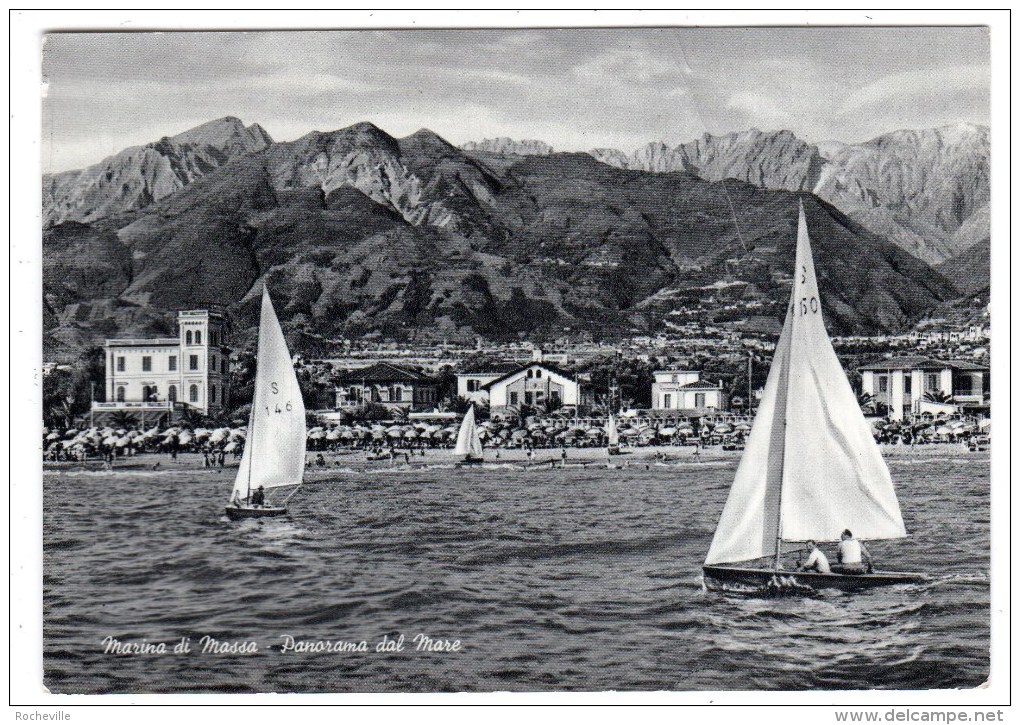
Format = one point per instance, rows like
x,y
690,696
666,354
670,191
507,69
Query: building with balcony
x,y
684,390
386,384
914,384
160,375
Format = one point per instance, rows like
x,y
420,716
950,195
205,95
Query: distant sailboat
x,y
274,451
811,467
469,444
613,434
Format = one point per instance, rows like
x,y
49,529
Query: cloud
x,y
927,86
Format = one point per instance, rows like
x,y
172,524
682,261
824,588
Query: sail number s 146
x,y
287,407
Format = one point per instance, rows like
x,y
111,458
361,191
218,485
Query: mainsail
x,y
811,467
468,442
274,451
611,432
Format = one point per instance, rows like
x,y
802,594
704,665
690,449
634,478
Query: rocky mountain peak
x,y
503,145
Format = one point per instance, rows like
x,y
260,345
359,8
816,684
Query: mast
x,y
750,361
779,502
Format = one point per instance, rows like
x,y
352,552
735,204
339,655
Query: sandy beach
x,y
541,458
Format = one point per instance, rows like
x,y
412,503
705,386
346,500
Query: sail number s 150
x,y
806,306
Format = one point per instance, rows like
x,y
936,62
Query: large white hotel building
x,y
159,375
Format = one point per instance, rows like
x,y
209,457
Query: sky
x,y
574,89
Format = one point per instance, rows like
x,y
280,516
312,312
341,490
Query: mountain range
x,y
925,190
361,233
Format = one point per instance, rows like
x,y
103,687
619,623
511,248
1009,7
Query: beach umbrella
x,y
70,433
667,431
985,424
347,435
630,432
53,436
319,435
123,441
201,433
185,438
519,434
411,434
723,428
110,440
230,447
395,433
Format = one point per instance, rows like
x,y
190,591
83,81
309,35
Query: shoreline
x,y
543,459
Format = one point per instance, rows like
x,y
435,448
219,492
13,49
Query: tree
x,y
460,404
937,396
551,405
122,419
68,393
191,418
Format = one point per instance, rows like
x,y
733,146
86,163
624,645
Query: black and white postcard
x,y
559,354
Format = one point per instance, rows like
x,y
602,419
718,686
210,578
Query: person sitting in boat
x,y
853,556
816,560
258,498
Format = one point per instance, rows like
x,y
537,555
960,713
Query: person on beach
x,y
853,556
816,561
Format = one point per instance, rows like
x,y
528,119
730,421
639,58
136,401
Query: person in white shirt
x,y
853,555
816,560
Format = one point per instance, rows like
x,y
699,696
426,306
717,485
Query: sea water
x,y
551,579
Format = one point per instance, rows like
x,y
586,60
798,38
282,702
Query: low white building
x,y
471,384
685,390
903,383
535,385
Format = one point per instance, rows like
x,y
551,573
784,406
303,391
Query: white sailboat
x,y
274,450
811,468
469,444
613,435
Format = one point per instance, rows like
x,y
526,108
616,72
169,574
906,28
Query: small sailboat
x,y
274,451
614,436
810,469
469,445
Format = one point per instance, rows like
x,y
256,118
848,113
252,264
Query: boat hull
x,y
758,578
471,461
237,513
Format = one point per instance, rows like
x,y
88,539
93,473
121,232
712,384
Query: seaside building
x,y
917,384
537,384
386,384
155,377
684,390
471,384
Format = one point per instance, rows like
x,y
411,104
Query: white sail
x,y
468,442
811,467
614,435
274,450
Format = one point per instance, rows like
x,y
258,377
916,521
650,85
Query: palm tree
x,y
191,418
122,419
937,396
